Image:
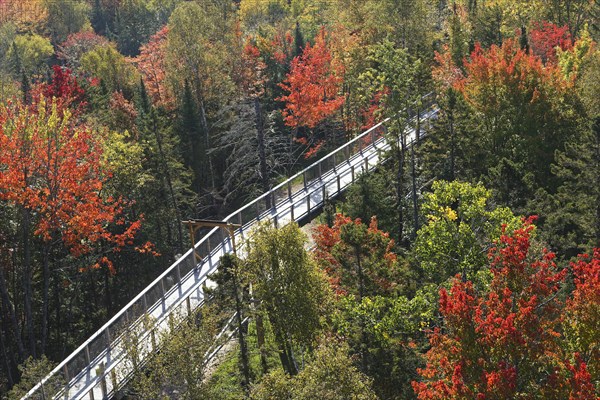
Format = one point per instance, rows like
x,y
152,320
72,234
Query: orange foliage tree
x,y
507,342
52,178
313,86
151,63
52,168
517,103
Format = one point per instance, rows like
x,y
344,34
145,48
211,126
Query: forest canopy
x,y
466,265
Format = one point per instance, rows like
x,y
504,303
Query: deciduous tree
x,y
312,87
505,342
289,285
52,179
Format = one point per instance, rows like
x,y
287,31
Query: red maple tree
x,y
545,37
52,167
505,343
151,63
313,86
64,88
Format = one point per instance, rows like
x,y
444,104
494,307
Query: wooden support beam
x,y
195,224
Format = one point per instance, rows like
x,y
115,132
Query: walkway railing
x,y
99,367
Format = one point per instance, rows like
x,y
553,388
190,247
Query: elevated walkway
x,y
101,366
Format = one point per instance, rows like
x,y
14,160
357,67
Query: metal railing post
x,y
87,356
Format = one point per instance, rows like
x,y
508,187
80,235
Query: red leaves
x,y
52,167
581,384
65,88
507,342
151,63
503,76
582,313
312,85
349,242
545,37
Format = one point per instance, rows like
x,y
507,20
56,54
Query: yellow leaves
x,y
27,15
450,214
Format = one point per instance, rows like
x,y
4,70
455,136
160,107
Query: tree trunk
x,y
5,356
260,339
241,337
282,344
58,318
400,153
204,123
28,292
45,297
107,296
10,310
169,182
262,157
414,177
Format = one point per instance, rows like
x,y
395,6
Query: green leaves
x,y
291,288
462,222
329,375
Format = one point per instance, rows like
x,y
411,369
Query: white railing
x,y
98,368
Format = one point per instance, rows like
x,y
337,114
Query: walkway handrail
x,y
173,275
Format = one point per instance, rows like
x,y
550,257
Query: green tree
x,y
137,20
32,371
66,17
178,370
387,333
105,63
461,223
198,54
232,294
30,54
571,213
372,195
292,290
400,80
328,375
